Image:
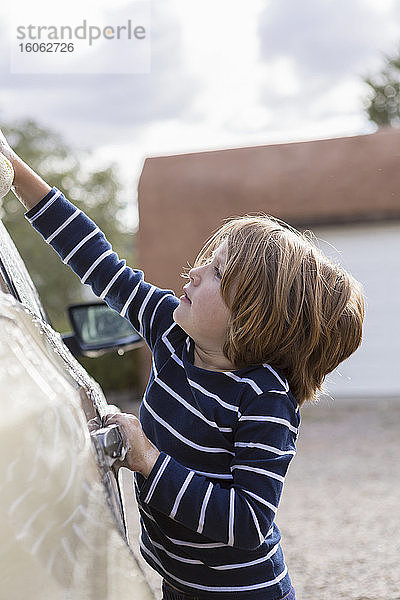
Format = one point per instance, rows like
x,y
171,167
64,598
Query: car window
x,y
15,278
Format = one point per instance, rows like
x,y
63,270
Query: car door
x,y
58,536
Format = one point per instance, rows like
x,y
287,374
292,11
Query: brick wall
x,y
183,198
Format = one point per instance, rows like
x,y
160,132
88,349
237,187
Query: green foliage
x,y
383,102
115,372
96,192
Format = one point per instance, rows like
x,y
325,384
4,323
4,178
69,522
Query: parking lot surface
x,y
339,515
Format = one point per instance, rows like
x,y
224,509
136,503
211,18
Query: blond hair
x,y
289,305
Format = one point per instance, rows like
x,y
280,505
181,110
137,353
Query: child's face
x,y
202,313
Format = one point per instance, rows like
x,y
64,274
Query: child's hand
x,y
141,453
94,424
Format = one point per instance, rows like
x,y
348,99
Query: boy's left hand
x,y
141,454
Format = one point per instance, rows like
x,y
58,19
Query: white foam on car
x,y
6,175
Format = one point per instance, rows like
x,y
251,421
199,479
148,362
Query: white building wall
x,y
372,254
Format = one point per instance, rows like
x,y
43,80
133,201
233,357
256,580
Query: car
x,y
63,528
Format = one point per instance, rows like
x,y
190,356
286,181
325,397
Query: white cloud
x,y
327,37
92,108
325,48
225,73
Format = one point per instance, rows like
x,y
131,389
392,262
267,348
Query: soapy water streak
x,y
45,517
54,508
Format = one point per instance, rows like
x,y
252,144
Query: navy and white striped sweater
x,y
226,438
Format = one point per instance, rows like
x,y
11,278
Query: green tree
x,y
383,101
96,192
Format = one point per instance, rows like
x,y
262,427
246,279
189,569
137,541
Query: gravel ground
x,y
339,515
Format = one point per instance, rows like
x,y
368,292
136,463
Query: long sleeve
x,y
83,247
239,514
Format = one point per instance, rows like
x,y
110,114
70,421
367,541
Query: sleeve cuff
x,y
40,205
148,488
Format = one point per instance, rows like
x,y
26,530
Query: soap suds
x,y
6,175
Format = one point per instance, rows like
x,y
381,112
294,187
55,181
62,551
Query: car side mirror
x,y
98,329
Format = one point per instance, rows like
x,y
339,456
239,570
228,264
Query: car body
x,y
62,531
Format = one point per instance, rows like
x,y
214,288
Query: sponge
x,y
6,175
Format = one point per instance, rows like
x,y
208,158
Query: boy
x,y
264,317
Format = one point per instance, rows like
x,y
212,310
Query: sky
x,y
224,73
